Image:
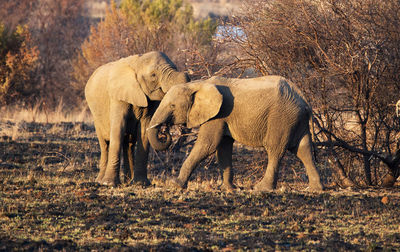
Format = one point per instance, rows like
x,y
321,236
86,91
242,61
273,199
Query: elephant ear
x,y
206,105
124,86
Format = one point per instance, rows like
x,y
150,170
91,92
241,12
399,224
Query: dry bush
x,y
137,27
57,28
15,13
60,27
18,59
345,56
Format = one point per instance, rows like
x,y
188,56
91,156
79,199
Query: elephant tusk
x,y
152,127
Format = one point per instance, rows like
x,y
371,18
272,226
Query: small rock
x,y
385,200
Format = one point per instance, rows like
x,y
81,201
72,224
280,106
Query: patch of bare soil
x,y
48,201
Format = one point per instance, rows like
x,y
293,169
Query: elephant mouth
x,y
166,125
156,90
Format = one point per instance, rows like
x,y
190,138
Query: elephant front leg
x,y
209,137
128,150
224,157
142,154
198,154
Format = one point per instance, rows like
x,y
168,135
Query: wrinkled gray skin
x,y
122,96
264,112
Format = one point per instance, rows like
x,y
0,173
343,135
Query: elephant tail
x,y
313,137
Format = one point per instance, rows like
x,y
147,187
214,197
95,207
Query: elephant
x,y
122,96
268,112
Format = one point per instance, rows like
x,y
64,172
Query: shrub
x,y
18,58
56,30
140,26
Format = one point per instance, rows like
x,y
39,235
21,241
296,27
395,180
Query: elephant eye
x,y
172,106
153,75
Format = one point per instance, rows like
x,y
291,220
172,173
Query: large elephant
x,y
122,96
267,112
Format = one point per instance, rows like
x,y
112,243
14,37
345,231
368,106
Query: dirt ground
x,y
49,201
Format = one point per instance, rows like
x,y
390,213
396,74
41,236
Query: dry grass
x,y
39,113
48,201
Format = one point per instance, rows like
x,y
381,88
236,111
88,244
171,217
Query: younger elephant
x,y
122,96
267,112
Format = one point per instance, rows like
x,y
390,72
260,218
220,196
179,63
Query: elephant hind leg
x,y
270,179
304,153
224,156
275,144
104,147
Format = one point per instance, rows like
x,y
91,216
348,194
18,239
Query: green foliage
x,y
202,31
17,60
177,15
136,27
155,12
173,13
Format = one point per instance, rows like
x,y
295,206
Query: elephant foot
x,y
229,187
263,187
141,181
177,183
314,188
127,179
315,185
110,181
346,183
99,179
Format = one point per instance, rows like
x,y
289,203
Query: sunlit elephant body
x,y
264,112
122,97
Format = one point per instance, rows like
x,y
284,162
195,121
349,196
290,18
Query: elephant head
x,y
190,104
135,77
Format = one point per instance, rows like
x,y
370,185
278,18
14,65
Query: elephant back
x,y
291,94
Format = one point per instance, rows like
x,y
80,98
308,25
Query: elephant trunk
x,y
155,141
174,78
154,129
